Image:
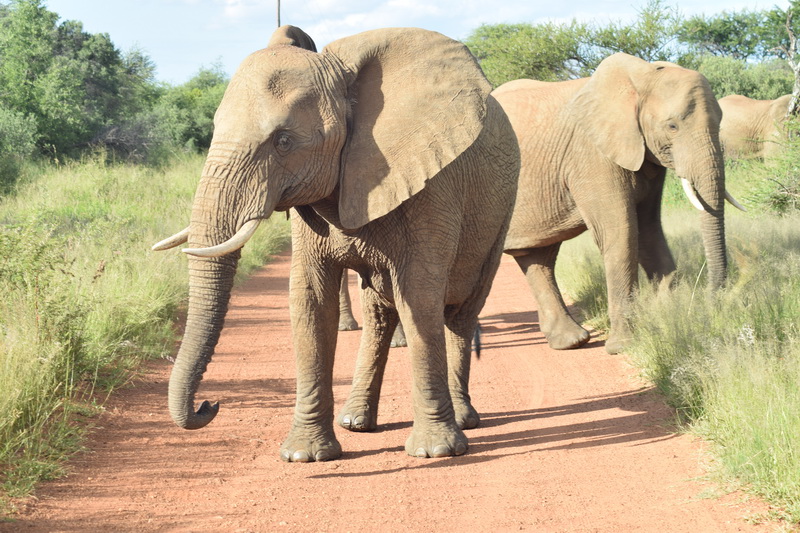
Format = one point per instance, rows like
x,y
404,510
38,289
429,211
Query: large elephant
x,y
594,156
752,128
399,165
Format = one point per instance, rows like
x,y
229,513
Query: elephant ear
x,y
292,36
418,100
608,109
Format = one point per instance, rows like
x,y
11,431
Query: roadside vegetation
x,y
99,160
728,361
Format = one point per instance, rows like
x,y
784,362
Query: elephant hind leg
x,y
459,333
347,322
360,412
557,325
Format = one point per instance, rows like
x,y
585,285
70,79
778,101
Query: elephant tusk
x,y
171,242
733,202
689,190
231,245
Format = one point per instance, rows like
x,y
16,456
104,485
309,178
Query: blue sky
x,y
183,35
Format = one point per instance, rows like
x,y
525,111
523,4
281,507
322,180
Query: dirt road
x,y
568,441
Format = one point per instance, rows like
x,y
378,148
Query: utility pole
x,y
279,13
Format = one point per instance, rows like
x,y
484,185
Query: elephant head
x,y
297,127
668,115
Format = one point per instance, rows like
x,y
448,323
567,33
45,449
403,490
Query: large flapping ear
x,y
292,36
418,100
608,110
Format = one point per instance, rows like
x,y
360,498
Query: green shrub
x,y
17,141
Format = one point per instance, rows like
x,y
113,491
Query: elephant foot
x,y
436,441
348,324
616,343
399,338
566,336
466,415
357,418
305,446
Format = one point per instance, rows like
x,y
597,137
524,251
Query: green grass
x,y
728,361
83,300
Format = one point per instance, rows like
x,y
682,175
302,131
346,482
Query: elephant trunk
x,y
707,176
210,284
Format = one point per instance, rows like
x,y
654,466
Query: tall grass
x,y
727,360
83,300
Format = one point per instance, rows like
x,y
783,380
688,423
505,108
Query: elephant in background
x,y
348,322
398,164
594,156
752,128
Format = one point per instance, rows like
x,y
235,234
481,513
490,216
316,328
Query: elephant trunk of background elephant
x,y
210,283
707,175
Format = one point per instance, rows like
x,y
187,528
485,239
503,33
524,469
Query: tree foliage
x,y
76,90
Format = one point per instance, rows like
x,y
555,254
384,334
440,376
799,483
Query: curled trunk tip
x,y
196,420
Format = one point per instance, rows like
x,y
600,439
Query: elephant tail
x,y
476,341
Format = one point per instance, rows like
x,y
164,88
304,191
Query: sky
x,y
182,36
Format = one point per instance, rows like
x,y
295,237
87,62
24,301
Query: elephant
x,y
348,322
594,156
395,162
752,129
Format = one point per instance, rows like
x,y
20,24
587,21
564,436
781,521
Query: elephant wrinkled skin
x,y
398,164
752,128
594,156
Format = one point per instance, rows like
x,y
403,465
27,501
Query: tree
x,y
651,37
547,52
27,32
744,35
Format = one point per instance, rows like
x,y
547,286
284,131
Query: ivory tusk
x,y
689,190
231,245
171,242
733,202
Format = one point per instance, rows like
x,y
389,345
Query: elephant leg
x,y
459,334
314,313
620,261
360,412
347,322
399,337
654,253
559,328
435,433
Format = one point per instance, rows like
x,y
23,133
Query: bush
x,y
763,81
17,141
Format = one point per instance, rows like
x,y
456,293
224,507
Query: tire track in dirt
x,y
569,441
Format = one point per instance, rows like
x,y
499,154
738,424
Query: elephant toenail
x,y
301,456
421,453
359,421
461,448
442,451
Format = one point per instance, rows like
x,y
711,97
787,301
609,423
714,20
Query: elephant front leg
x,y
314,313
435,432
620,259
559,328
360,412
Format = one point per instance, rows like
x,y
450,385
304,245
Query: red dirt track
x,y
569,441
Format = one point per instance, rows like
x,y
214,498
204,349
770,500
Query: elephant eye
x,y
672,127
283,142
